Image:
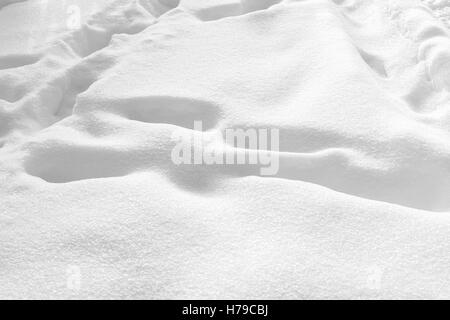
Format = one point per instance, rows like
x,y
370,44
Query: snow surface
x,y
91,205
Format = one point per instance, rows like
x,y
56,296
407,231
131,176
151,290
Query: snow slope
x,y
360,207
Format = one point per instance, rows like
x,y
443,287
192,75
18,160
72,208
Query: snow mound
x,y
359,91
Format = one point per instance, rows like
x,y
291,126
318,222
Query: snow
x,y
92,205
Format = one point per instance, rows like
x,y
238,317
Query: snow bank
x,y
359,208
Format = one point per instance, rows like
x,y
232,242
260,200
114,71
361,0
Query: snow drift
x,y
359,208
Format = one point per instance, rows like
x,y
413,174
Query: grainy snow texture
x,y
92,206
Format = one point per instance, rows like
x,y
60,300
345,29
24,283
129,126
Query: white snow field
x,y
92,205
